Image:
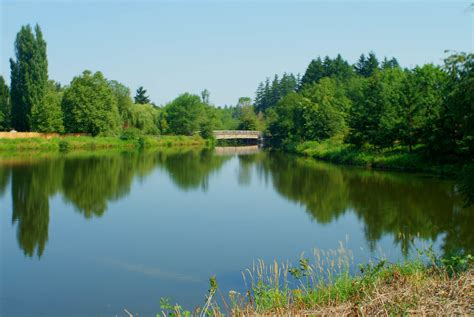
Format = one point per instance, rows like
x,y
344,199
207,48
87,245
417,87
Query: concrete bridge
x,y
238,134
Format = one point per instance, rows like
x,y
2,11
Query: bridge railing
x,y
250,132
237,134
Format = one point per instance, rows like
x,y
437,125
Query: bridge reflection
x,y
237,150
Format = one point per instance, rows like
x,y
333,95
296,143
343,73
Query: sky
x,y
228,47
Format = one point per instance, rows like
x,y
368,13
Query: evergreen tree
x,y
267,95
367,66
260,98
340,68
5,107
314,72
141,97
29,76
389,63
275,91
360,65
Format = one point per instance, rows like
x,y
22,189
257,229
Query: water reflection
x,y
402,206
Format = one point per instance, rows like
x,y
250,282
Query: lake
x,y
89,234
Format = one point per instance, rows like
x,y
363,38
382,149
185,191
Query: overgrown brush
x,y
324,285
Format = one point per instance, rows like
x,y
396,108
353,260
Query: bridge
x,y
237,134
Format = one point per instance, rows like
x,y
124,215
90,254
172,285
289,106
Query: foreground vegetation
x,y
439,286
126,141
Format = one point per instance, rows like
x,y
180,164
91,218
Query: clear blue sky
x,y
228,47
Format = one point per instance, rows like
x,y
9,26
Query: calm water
x,y
91,234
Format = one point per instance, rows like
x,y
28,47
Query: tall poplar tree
x,y
29,76
4,105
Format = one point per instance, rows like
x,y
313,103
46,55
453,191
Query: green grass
x,y
336,151
93,143
324,285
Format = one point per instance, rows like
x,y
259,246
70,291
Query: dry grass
x,y
324,287
418,295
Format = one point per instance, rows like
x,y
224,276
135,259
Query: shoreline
x,y
74,143
395,160
431,285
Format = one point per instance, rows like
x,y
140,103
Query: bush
x,y
131,134
63,146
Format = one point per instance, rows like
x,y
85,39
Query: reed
x,y
323,284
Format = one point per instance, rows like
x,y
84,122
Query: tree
x,y
456,133
141,97
89,106
389,63
29,76
48,116
205,96
5,107
248,118
367,66
145,118
124,101
185,114
326,117
375,117
244,102
314,72
287,121
423,91
260,97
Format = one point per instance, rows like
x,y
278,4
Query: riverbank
x,y
443,287
71,143
335,151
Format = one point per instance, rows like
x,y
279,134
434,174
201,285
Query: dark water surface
x,y
90,234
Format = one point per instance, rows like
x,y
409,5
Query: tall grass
x,y
324,285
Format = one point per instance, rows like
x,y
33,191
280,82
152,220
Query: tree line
x,y
370,104
95,105
374,104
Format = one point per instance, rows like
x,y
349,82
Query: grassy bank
x,y
93,143
395,159
324,286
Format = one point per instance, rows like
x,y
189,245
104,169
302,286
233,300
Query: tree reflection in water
x,y
403,206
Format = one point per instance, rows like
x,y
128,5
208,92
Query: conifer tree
x,y
141,97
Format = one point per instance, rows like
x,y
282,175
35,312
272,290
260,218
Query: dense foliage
x,y
89,105
95,105
378,105
29,77
5,106
370,104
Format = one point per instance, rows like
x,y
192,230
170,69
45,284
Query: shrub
x,y
130,134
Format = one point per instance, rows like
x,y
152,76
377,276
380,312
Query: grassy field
x,y
93,143
324,286
395,159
